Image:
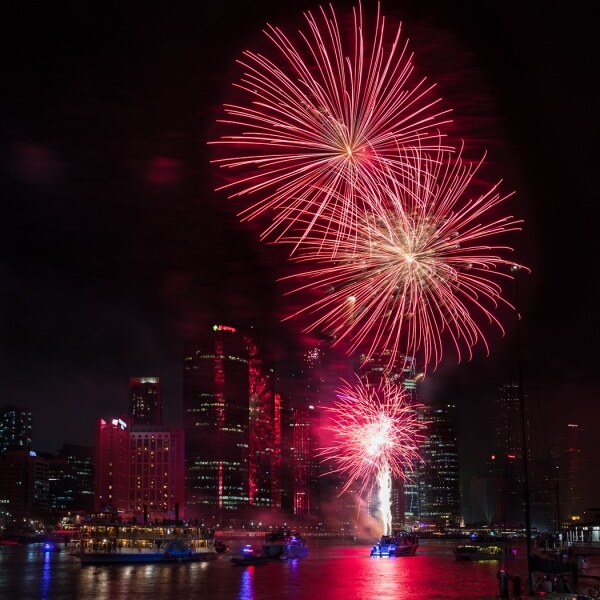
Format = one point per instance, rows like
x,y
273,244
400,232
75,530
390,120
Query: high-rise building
x,y
299,464
506,463
571,467
145,401
139,469
156,472
230,420
16,428
565,449
71,478
111,485
23,483
439,483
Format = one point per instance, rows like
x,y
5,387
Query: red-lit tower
x,y
230,418
261,440
112,464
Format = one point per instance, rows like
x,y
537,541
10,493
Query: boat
x,y
51,546
284,542
221,547
397,544
484,552
247,557
295,548
106,539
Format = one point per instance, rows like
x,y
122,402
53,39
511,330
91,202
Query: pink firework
x,y
330,114
419,268
376,436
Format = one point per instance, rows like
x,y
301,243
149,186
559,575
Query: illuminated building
x,y
439,483
299,462
23,482
506,506
145,401
112,465
71,478
16,428
139,469
156,472
230,418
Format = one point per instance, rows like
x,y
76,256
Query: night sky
x,y
114,248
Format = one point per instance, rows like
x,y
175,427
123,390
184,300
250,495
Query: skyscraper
x,y
139,469
439,483
16,428
506,466
71,478
145,401
301,493
112,465
229,413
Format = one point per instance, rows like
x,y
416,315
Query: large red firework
x,y
333,112
419,268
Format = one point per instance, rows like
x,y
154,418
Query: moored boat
x,y
105,539
484,552
398,544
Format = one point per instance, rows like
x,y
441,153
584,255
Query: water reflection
x,y
246,584
346,568
46,577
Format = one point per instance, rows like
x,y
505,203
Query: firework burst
x,y
376,434
333,113
418,270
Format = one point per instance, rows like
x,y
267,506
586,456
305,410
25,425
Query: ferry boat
x,y
106,539
484,552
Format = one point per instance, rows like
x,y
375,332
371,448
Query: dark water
x,y
335,570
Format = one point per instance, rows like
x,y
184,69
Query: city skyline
x,y
116,249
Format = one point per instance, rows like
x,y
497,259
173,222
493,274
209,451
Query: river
x,y
335,569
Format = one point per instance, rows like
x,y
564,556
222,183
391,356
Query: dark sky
x,y
114,247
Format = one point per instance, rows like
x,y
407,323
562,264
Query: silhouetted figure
x,y
516,581
503,579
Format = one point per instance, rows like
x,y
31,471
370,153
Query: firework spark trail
x,y
376,437
417,270
327,119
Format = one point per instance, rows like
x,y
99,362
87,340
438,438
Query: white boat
x,y
398,544
105,539
484,552
284,542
